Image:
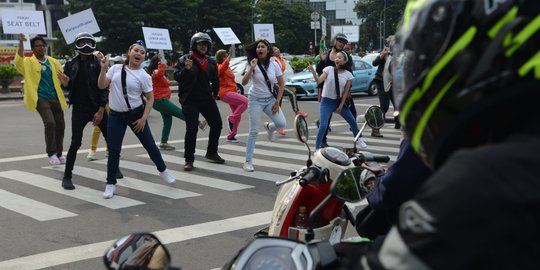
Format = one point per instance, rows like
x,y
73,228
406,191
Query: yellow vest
x,y
30,68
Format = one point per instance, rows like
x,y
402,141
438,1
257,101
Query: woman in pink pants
x,y
228,94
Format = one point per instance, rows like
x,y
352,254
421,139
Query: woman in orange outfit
x,y
228,94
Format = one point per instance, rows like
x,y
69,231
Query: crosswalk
x,y
272,160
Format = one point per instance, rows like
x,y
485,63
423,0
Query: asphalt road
x,y
204,219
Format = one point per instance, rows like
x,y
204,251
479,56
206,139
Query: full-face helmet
x,y
457,63
86,48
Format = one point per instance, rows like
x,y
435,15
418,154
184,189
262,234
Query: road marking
x,y
370,148
168,236
281,154
31,208
223,168
132,183
80,193
184,177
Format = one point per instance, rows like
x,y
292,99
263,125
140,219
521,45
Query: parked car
x,y
370,57
238,66
364,73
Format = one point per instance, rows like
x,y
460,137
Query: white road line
x,y
281,154
257,162
80,193
342,143
31,208
183,177
132,183
168,236
224,168
347,138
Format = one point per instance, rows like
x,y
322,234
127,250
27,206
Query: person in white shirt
x,y
260,97
333,99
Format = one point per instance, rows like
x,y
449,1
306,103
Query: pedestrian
x,y
264,73
327,58
162,102
43,92
198,87
80,78
388,78
336,89
228,94
287,92
385,96
128,82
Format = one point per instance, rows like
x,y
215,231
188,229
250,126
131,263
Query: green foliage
x,y
300,63
60,48
372,11
7,74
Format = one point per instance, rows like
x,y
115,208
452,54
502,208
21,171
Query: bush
x,y
8,72
301,63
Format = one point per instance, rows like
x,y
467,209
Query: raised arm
x,y
318,79
103,81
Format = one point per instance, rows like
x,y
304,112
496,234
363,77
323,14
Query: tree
x,y
291,24
372,11
60,47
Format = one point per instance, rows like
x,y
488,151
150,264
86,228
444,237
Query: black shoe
x,y
376,133
324,145
188,166
119,174
397,125
66,183
214,158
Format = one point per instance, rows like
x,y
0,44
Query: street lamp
x,y
252,18
382,24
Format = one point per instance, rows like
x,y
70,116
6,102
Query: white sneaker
x,y
269,133
248,166
91,156
202,124
167,177
109,191
360,143
53,160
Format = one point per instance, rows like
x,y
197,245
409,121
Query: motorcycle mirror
x,y
137,251
301,128
374,117
349,185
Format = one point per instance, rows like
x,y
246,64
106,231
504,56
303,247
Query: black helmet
x,y
340,36
455,62
86,49
201,37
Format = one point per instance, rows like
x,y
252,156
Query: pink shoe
x,y
304,114
53,160
62,159
281,132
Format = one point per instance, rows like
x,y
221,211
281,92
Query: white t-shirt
x,y
329,87
259,88
137,82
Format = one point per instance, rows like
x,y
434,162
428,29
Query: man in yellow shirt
x,y
42,92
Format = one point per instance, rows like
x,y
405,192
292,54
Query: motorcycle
x,y
144,251
307,190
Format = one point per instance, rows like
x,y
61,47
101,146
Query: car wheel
x,y
372,91
239,89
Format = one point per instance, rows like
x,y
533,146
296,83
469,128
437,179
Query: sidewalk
x,y
16,93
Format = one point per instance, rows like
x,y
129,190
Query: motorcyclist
x,y
467,79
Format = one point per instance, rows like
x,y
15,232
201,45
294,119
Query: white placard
x,y
16,21
83,21
351,31
265,31
157,38
227,35
323,25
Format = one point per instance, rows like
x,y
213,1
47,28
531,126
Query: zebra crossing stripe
x,y
280,154
31,208
224,168
371,148
132,183
80,193
167,236
183,177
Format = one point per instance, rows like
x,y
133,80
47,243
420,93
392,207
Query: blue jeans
x,y
255,107
329,106
116,129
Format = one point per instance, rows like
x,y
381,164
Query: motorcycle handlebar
x,y
377,158
313,173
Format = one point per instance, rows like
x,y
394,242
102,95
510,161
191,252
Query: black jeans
x,y
209,110
384,97
79,118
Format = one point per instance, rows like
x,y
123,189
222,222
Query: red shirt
x,y
226,79
160,83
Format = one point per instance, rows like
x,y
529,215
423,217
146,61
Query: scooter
x,y
145,251
308,189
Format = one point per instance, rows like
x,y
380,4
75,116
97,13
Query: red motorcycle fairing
x,y
311,196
